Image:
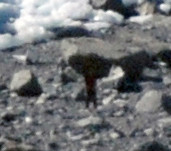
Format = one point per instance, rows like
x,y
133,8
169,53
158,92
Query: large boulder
x,y
25,83
89,56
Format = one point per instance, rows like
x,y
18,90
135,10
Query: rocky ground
x,y
46,111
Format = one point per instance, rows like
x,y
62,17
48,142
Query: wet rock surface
x,y
125,119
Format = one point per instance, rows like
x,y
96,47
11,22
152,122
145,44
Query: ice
x,y
26,21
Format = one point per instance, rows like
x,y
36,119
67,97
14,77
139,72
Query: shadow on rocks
x,y
165,56
166,103
133,66
153,146
66,32
128,85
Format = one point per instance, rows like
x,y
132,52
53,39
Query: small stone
x,y
136,132
114,135
165,8
75,137
164,122
92,141
119,113
13,95
14,146
112,80
9,108
167,80
42,98
108,99
50,90
149,102
25,84
141,19
21,58
149,132
120,103
28,120
89,121
38,133
89,142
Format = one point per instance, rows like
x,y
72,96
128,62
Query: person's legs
x,y
91,90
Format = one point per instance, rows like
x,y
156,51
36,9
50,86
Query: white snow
x,y
25,21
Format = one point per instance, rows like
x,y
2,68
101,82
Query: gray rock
x,y
120,103
112,79
78,92
89,121
49,89
91,141
25,84
165,8
42,98
29,58
149,102
13,146
149,132
164,122
108,99
69,75
147,7
167,80
114,135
